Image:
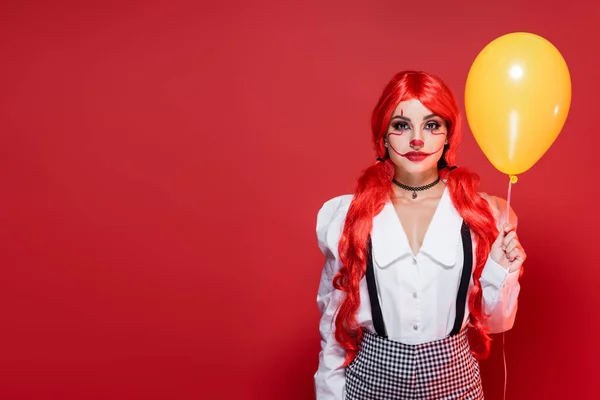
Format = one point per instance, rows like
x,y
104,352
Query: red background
x,y
163,162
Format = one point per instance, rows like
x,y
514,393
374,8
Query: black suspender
x,y
372,286
465,278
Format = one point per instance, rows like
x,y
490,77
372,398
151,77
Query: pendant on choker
x,y
416,189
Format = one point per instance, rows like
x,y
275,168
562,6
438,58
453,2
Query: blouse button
x,y
415,327
414,295
414,262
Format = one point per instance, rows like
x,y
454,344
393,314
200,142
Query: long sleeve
x,y
500,287
330,375
500,296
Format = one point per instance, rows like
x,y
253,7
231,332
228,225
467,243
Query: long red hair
x,y
373,190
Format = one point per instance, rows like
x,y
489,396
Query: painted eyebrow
x,y
401,117
408,119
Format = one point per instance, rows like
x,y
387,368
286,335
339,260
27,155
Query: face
x,y
415,137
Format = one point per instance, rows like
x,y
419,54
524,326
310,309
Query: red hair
x,y
374,188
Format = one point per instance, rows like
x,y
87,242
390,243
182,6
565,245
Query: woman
x,y
414,259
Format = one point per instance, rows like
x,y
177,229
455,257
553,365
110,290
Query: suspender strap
x,y
461,298
375,307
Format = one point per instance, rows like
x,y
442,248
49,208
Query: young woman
x,y
414,259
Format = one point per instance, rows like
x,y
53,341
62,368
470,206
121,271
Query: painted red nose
x,y
417,143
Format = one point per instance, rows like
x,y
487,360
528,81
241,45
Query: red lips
x,y
416,155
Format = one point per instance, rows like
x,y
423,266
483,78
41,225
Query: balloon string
x,y
512,179
507,213
504,359
506,216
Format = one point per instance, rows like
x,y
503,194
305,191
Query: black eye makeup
x,y
400,125
432,125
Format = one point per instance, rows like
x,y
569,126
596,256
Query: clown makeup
x,y
416,136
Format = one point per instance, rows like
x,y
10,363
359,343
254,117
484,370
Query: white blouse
x,y
417,292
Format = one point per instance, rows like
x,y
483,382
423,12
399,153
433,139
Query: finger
x,y
508,238
508,228
512,255
511,245
521,256
516,253
518,261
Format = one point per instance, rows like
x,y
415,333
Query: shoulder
x,y
330,222
332,207
498,207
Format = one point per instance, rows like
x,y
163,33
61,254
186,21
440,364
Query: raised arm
x,y
500,276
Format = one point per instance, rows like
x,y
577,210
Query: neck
x,y
420,179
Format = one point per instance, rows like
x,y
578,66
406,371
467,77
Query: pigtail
x,y
372,192
476,212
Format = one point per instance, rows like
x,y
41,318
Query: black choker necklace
x,y
416,189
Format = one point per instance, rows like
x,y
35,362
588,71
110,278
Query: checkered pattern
x,y
388,370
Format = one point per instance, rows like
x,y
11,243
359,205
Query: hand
x,y
507,250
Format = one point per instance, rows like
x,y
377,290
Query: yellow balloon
x,y
517,97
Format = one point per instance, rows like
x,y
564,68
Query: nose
x,y
417,143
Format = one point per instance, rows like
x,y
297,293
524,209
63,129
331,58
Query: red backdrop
x,y
163,162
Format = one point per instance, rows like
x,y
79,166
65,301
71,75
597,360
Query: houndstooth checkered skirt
x,y
388,370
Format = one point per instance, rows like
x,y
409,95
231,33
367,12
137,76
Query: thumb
x,y
501,235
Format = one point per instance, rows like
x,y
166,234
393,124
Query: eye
x,y
400,126
432,126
